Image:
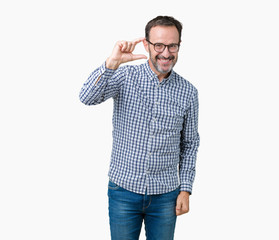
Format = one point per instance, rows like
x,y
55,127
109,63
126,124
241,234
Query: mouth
x,y
164,60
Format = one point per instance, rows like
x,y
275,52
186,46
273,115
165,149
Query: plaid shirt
x,y
155,127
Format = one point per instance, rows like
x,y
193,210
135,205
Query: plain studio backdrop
x,y
55,151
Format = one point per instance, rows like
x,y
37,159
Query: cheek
x,y
153,54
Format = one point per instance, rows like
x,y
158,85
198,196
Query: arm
x,y
102,84
190,141
106,81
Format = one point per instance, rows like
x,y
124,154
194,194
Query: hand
x,y
182,203
122,52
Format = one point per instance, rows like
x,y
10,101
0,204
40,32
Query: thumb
x,y
178,207
139,56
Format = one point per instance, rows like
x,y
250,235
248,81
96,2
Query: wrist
x,y
112,64
185,193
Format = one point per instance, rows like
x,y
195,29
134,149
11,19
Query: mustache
x,y
162,57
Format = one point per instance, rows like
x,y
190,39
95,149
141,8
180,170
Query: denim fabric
x,y
127,211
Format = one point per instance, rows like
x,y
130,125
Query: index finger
x,y
138,40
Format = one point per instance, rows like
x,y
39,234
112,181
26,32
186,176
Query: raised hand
x,y
123,52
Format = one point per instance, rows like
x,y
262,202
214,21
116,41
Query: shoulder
x,y
133,72
135,68
131,68
183,85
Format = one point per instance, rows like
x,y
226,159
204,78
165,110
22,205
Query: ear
x,y
145,44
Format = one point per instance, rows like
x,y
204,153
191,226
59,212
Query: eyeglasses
x,y
160,47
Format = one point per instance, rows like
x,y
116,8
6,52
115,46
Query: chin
x,y
160,70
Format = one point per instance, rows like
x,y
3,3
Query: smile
x,y
165,60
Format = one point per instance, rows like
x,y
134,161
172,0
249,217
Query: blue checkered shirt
x,y
155,127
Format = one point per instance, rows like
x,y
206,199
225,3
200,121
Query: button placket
x,y
152,129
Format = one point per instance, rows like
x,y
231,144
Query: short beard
x,y
157,67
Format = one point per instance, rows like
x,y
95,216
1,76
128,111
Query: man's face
x,y
162,63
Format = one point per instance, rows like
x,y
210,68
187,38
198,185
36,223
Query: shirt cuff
x,y
186,187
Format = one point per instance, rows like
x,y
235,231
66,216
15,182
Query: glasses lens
x,y
173,48
159,47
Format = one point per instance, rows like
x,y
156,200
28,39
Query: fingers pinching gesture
x,y
123,52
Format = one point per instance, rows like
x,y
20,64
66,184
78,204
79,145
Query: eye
x,y
159,46
173,46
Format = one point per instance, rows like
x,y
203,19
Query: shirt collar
x,y
149,71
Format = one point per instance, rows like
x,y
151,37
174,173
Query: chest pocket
x,y
143,97
171,115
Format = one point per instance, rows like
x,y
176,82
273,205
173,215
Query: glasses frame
x,y
168,46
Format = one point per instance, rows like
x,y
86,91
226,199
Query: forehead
x,y
164,34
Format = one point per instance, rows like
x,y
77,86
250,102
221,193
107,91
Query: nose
x,y
166,52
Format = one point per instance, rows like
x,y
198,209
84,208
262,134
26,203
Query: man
x,y
155,133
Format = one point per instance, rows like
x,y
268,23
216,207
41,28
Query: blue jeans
x,y
127,210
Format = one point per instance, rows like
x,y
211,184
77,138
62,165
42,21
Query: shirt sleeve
x,y
189,144
102,84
